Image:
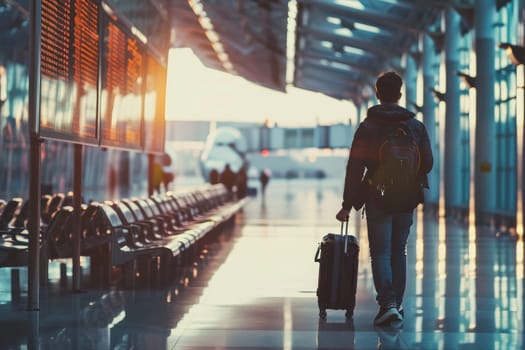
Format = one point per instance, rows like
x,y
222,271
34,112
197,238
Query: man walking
x,y
394,149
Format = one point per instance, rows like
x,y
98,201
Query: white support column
x,y
452,162
485,160
429,116
410,82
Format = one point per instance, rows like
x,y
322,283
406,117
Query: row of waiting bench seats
x,y
149,237
14,213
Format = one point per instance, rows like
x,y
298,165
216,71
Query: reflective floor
x,y
256,290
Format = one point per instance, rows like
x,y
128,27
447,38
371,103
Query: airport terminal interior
x,y
139,215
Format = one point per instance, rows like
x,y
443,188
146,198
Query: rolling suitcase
x,y
337,255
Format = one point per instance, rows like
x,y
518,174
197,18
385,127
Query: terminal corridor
x,y
256,290
137,138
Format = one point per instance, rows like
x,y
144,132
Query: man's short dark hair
x,y
388,87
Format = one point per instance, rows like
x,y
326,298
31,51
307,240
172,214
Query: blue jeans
x,y
387,238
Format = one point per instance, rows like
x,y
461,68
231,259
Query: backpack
x,y
395,182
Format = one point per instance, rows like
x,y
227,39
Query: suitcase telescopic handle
x,y
345,224
345,232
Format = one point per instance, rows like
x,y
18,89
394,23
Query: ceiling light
x,y
139,34
3,85
291,41
327,44
354,50
366,27
334,20
343,31
205,23
351,3
211,34
339,65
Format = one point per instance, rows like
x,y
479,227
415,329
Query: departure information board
x,y
100,83
122,95
154,105
69,70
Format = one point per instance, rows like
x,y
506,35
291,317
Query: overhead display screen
x,y
154,105
69,70
122,95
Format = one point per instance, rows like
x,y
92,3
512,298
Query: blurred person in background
x,y
264,178
227,177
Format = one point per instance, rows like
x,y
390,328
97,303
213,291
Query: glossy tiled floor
x,y
257,291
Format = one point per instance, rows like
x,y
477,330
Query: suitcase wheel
x,y
322,313
349,313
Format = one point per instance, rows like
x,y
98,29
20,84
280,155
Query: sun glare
x,y
195,92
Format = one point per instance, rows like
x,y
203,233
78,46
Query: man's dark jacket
x,y
364,153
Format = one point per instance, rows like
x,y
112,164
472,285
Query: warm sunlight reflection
x,y
472,232
3,83
441,156
288,325
520,118
442,268
471,276
420,92
420,250
442,248
365,268
195,92
519,280
519,259
472,149
419,244
260,277
254,274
